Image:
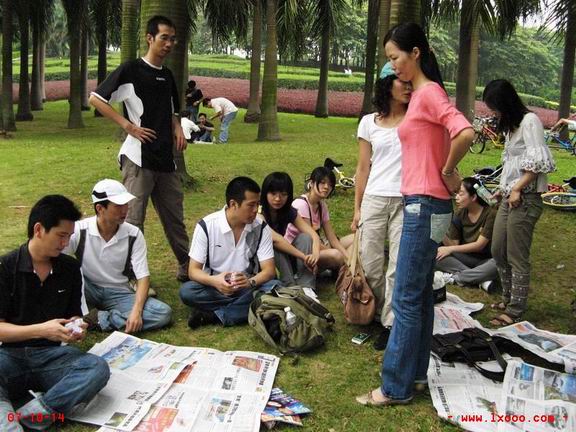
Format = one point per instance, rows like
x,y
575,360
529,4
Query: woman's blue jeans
x,y
426,220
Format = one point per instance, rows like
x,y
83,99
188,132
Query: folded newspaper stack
x,y
283,408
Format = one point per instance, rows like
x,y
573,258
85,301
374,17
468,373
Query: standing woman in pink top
x,y
434,137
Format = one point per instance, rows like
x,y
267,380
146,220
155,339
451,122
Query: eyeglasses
x,y
166,38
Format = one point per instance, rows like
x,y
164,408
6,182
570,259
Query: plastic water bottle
x,y
485,194
290,317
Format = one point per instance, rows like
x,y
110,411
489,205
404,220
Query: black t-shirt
x,y
24,300
150,99
280,228
205,125
195,96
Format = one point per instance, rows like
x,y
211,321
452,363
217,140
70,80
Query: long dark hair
x,y
468,184
383,94
410,35
320,173
500,95
277,182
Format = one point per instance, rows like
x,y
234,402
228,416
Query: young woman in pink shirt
x,y
434,137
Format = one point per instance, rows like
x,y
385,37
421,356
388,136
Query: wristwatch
x,y
252,283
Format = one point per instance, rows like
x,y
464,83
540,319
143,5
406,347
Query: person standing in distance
x,y
151,103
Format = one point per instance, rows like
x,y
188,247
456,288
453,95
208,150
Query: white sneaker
x,y
488,286
442,279
203,142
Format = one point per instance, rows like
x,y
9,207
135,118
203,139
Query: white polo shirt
x,y
188,126
226,256
223,105
103,262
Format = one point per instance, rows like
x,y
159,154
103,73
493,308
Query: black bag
x,y
472,345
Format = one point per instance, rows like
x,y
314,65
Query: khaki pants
x,y
165,190
380,220
511,242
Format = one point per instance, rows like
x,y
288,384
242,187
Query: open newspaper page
x,y
463,396
537,399
554,347
202,389
453,315
122,404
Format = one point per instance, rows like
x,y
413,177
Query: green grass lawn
x,y
44,157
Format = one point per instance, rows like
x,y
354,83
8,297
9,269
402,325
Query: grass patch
x,y
44,157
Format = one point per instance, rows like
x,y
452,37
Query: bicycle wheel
x,y
479,143
346,182
560,200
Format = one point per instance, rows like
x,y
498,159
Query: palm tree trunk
x,y
102,59
24,113
253,111
84,70
467,60
396,12
177,61
411,12
42,60
322,99
383,27
268,127
75,10
7,33
129,35
372,34
3,131
568,67
36,85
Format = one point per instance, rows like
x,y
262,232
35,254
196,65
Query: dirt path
x,y
345,104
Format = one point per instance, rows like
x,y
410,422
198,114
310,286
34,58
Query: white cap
x,y
111,190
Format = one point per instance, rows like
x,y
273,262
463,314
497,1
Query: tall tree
x,y
75,16
268,129
383,27
129,34
253,111
181,14
7,35
84,51
24,112
326,14
371,41
41,12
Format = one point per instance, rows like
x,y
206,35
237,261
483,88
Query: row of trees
x,y
288,27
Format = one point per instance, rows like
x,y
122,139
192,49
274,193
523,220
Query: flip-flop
x,y
503,320
498,306
368,400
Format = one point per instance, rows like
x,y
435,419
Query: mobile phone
x,y
360,338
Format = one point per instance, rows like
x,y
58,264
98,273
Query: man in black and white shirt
x,y
151,101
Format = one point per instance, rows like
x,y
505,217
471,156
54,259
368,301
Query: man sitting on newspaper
x,y
40,308
231,256
112,252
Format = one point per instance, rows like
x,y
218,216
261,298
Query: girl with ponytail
x,y
434,137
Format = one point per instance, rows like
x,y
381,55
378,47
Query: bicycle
x,y
341,179
554,141
489,177
484,131
561,197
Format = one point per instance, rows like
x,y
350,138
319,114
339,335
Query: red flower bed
x,y
346,104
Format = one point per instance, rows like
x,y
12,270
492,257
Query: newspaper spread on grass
x,y
554,347
164,388
453,315
537,399
461,395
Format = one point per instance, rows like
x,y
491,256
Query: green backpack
x,y
312,320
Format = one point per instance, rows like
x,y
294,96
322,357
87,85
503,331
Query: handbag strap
x,y
495,376
354,258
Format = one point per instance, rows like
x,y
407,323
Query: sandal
x,y
498,306
368,400
503,320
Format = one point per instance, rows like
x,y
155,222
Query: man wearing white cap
x,y
112,252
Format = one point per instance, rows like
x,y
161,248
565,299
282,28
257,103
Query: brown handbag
x,y
353,289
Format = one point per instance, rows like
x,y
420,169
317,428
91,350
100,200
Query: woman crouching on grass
x,y
312,208
526,161
378,201
296,261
